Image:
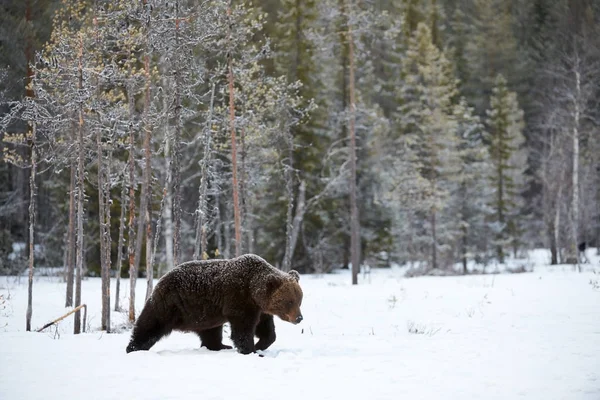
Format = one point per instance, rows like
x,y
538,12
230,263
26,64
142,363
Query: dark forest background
x,y
463,130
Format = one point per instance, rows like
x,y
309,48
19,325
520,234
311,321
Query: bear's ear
x,y
273,282
294,274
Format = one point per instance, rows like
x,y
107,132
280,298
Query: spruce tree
x,y
428,129
505,140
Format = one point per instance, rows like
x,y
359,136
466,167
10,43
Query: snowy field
x,y
511,336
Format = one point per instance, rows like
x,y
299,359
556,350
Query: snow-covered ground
x,y
509,336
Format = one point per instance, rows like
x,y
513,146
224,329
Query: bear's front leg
x,y
242,334
265,332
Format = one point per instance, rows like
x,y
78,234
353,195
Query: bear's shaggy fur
x,y
200,296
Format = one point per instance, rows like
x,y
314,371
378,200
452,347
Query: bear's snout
x,y
299,319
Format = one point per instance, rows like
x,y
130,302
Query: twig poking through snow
x,y
421,329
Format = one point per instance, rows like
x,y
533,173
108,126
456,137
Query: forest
x,y
136,135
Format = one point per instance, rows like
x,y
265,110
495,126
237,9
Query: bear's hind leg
x,y
212,339
265,332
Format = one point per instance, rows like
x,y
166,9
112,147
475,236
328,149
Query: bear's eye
x,y
290,303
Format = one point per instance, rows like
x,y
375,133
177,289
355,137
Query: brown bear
x,y
200,296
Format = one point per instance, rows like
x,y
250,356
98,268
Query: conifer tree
x,y
491,49
505,141
426,120
471,195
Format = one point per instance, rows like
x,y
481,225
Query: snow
x,y
506,336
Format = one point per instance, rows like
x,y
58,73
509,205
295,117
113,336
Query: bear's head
x,y
285,297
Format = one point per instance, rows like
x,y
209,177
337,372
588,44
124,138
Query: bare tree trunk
x,y
168,213
434,256
575,203
218,222
104,235
167,207
500,210
236,201
598,211
32,214
557,221
146,200
354,222
464,249
107,204
227,234
243,195
176,174
149,258
80,194
201,250
344,107
553,240
32,186
157,233
71,239
249,225
120,244
168,210
289,223
132,219
295,227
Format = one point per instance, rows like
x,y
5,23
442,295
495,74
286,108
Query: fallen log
x,y
66,315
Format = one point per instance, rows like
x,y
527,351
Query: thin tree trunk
x,y
500,204
295,226
120,244
157,233
32,215
598,211
176,174
80,193
236,201
464,250
344,106
434,261
249,225
464,228
557,223
107,204
243,195
218,222
556,220
104,232
289,223
29,93
132,219
167,213
146,200
354,222
227,234
168,210
575,203
201,249
71,239
149,263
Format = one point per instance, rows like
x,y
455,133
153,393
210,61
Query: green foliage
x,y
505,141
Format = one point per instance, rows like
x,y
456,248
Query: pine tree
x,y
471,196
426,120
491,49
505,141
